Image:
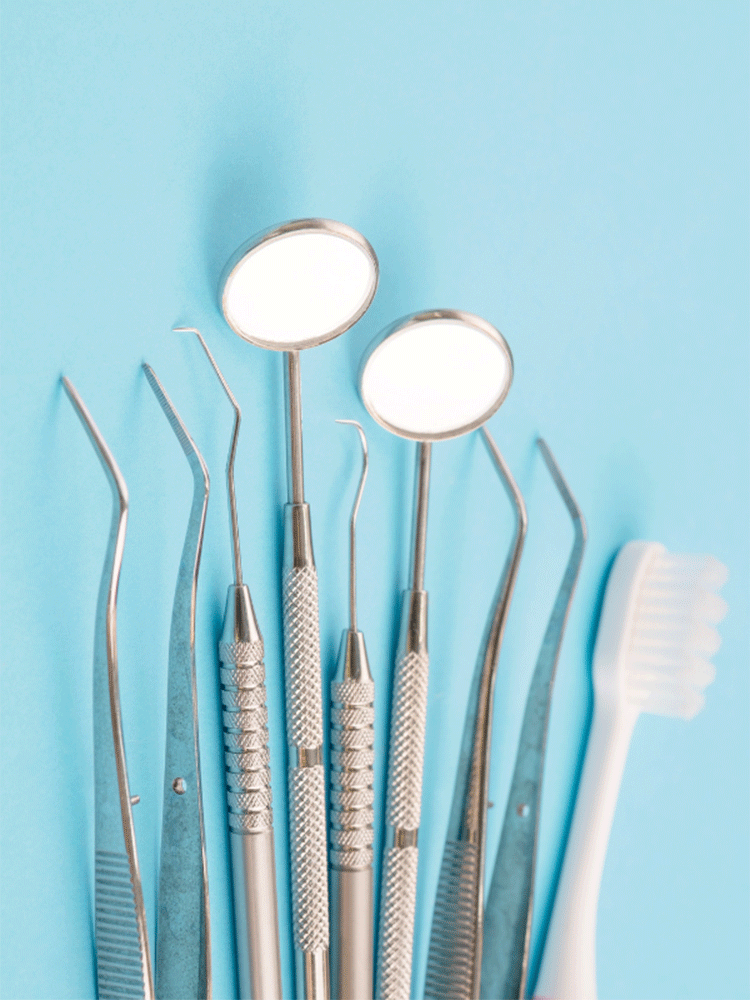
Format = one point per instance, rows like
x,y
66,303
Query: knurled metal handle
x,y
245,715
408,723
307,840
403,803
304,698
396,937
304,717
352,757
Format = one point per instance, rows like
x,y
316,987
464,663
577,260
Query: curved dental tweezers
x,y
455,952
507,919
123,960
183,941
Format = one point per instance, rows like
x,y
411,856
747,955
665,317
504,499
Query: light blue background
x,y
577,174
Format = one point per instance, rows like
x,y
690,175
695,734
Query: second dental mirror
x,y
429,377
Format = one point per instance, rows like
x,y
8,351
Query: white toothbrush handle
x,y
568,970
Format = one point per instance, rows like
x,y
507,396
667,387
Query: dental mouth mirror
x,y
433,376
247,759
290,288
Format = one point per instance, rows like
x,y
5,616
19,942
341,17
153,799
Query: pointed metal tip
x,y
353,524
232,451
175,421
562,486
102,448
363,439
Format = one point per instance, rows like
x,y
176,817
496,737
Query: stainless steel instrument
x,y
248,773
432,376
123,958
291,288
352,795
183,939
183,965
455,954
507,918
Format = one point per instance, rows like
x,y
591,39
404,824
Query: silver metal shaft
x,y
352,797
248,774
295,474
455,952
183,938
507,919
424,456
123,957
304,720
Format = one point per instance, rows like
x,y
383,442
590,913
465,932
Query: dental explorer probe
x,y
123,957
352,795
291,288
248,775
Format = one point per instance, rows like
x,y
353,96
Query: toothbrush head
x,y
656,637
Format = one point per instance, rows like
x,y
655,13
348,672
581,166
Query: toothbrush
x,y
652,655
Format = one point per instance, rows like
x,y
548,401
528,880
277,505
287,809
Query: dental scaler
x,y
248,775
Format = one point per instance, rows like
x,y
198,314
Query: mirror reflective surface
x,y
299,285
436,375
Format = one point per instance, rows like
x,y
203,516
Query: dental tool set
x,y
432,376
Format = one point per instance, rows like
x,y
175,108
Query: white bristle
x,y
671,638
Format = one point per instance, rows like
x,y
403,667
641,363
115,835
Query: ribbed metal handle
x,y
248,779
304,720
352,757
248,775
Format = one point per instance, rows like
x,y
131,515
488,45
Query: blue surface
x,y
577,174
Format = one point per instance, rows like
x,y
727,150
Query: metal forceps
x,y
477,951
124,968
507,918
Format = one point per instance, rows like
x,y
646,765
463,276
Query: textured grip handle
x,y
248,775
451,960
408,722
403,802
395,940
307,838
352,757
304,698
304,715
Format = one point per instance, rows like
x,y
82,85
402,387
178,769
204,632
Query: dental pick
x,y
352,795
247,758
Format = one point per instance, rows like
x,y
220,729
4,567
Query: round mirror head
x,y
299,285
436,375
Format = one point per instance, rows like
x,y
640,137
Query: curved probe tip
x,y
232,452
352,526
